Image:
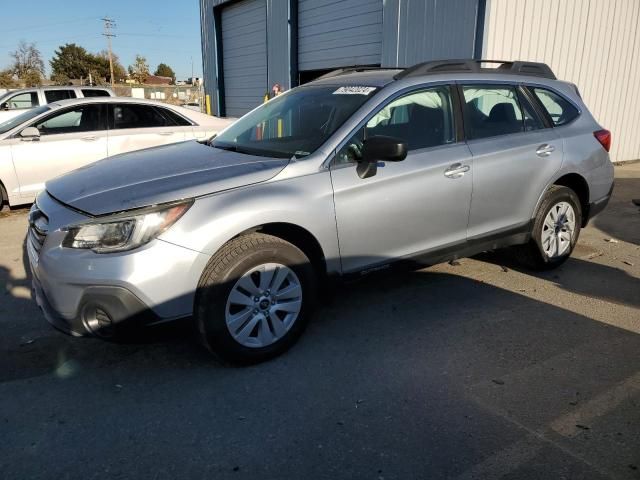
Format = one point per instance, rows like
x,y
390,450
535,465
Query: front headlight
x,y
124,231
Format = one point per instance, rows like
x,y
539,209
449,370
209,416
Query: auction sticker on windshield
x,y
354,90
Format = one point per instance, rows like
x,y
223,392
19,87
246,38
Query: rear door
x,y
514,157
410,207
134,126
59,94
69,138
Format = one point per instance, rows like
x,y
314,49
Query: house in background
x,y
248,45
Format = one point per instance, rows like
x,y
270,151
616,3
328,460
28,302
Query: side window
x,y
131,115
491,110
84,118
22,101
423,119
88,93
559,109
55,95
173,118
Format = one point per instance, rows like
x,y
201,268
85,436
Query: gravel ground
x,y
475,370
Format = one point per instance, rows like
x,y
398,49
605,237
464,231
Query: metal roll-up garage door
x,y
339,33
244,55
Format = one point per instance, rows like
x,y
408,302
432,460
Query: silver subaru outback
x,y
356,172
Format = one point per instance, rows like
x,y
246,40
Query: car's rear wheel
x,y
555,231
4,199
254,299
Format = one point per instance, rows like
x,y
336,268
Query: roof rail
x,y
345,70
477,66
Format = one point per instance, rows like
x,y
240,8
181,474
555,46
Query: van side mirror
x,y
4,106
380,147
30,134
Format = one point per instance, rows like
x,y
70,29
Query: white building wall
x,y
592,43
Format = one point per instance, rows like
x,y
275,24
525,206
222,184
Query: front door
x,y
415,206
69,139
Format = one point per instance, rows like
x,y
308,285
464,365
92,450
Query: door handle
x,y
89,138
165,134
545,150
456,170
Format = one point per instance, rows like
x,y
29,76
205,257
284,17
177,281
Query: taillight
x,y
604,137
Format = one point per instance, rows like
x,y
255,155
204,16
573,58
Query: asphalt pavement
x,y
478,369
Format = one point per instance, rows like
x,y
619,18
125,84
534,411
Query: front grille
x,y
38,227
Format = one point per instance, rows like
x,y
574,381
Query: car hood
x,y
158,175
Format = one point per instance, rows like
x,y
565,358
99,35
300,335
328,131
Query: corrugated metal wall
x,y
244,55
278,48
339,33
419,30
592,43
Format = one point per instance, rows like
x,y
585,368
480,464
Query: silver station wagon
x,y
353,173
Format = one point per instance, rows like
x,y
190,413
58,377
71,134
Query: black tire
x,y
4,199
236,258
532,254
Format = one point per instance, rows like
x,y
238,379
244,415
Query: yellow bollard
x,y
208,102
279,128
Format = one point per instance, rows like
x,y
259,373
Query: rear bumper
x,y
598,206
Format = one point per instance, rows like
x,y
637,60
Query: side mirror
x,y
30,134
4,106
379,147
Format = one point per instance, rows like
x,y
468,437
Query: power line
x,y
109,25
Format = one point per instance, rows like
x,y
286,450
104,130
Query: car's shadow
x,y
437,370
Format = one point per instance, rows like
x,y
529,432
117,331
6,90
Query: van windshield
x,y
296,123
22,118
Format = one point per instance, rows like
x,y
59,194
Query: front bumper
x,y
84,293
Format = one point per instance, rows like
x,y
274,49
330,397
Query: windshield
x,y
22,118
294,124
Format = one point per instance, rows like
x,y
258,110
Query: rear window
x,y
559,109
55,95
95,93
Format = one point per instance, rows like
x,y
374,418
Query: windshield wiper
x,y
231,148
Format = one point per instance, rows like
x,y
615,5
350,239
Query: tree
x,y
32,79
165,70
140,69
6,79
27,61
71,61
102,62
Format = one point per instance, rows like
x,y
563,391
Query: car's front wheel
x,y
254,298
555,231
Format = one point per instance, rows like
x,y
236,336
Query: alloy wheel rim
x,y
263,305
558,230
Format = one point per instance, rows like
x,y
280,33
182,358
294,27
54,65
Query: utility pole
x,y
109,24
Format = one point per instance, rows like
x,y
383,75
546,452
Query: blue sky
x,y
162,32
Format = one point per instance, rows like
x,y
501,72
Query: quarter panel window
x,y
84,118
492,110
56,95
174,119
22,101
559,109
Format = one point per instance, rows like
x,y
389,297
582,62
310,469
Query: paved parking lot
x,y
477,370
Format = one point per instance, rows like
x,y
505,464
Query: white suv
x,y
15,102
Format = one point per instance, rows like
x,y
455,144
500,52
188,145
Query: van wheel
x,y
555,232
254,299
